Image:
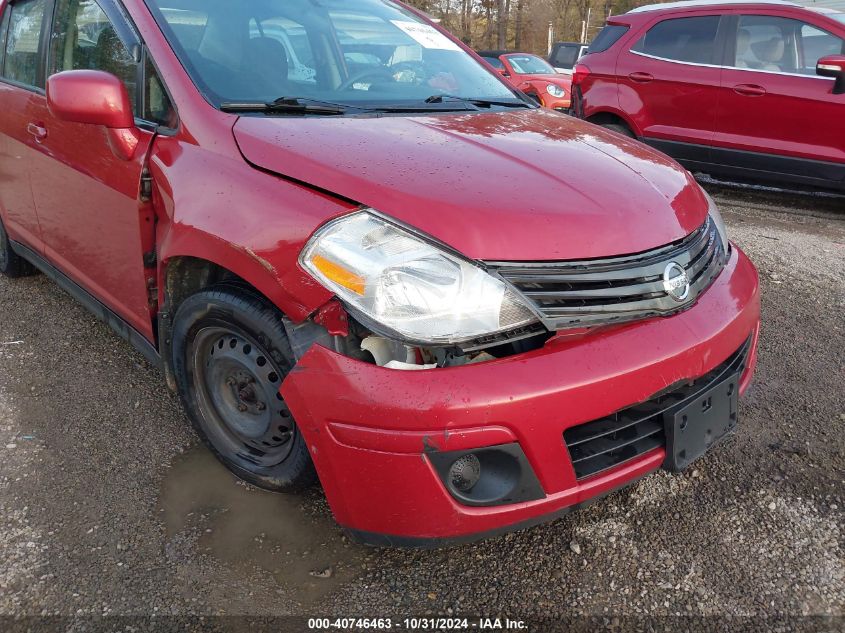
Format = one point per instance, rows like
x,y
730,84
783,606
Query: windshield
x,y
530,65
358,53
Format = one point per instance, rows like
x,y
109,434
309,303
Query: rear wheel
x,y
230,356
12,264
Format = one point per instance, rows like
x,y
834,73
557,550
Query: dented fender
x,y
202,215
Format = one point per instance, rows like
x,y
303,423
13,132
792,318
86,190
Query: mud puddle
x,y
293,537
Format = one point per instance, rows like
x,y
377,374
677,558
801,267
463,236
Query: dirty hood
x,y
523,185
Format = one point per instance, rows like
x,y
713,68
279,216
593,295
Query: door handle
x,y
750,90
641,78
38,131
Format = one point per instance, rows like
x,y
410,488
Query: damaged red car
x,y
534,76
304,212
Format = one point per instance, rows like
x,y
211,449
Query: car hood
x,y
524,185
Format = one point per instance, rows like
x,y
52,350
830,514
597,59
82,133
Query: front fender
x,y
220,209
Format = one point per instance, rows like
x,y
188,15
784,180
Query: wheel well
x,y
603,118
186,276
183,277
533,94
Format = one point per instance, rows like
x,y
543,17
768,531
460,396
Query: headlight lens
x,y
555,91
419,292
716,216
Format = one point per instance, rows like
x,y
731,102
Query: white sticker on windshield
x,y
426,35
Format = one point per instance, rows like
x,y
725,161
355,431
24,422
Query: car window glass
x,y
277,37
607,37
23,40
565,55
689,40
355,52
495,62
774,44
187,25
4,32
157,105
765,42
813,44
530,65
85,39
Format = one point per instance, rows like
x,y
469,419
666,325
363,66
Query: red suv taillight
x,y
579,74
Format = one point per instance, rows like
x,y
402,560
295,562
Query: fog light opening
x,y
465,473
490,476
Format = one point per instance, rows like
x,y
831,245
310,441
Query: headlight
x,y
555,91
718,221
417,291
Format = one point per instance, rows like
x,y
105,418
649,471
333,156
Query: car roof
x,y
694,4
826,10
500,53
494,53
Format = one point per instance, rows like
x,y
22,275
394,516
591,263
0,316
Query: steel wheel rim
x,y
237,386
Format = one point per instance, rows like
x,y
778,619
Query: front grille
x,y
602,291
602,444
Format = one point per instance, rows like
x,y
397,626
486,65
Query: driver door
x,y
94,226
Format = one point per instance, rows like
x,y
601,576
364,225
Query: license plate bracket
x,y
694,426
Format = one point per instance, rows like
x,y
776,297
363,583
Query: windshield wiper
x,y
420,109
287,105
305,105
314,104
446,103
478,103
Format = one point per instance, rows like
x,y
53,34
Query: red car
x,y
738,89
534,76
336,273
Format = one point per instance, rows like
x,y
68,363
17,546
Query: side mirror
x,y
503,72
833,66
94,97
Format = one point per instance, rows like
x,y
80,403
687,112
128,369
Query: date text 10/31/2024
x,y
417,624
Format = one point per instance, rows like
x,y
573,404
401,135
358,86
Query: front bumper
x,y
562,104
371,430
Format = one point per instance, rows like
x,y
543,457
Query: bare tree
x,y
466,21
522,24
517,37
503,10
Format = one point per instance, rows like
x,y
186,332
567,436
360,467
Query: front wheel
x,y
230,356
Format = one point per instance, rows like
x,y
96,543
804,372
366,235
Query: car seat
x,y
770,53
266,59
743,49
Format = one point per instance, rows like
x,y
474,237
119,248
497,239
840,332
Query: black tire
x,y
230,356
12,264
619,128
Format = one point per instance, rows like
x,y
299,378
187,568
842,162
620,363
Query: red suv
x,y
738,89
334,269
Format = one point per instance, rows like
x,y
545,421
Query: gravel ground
x,y
109,507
